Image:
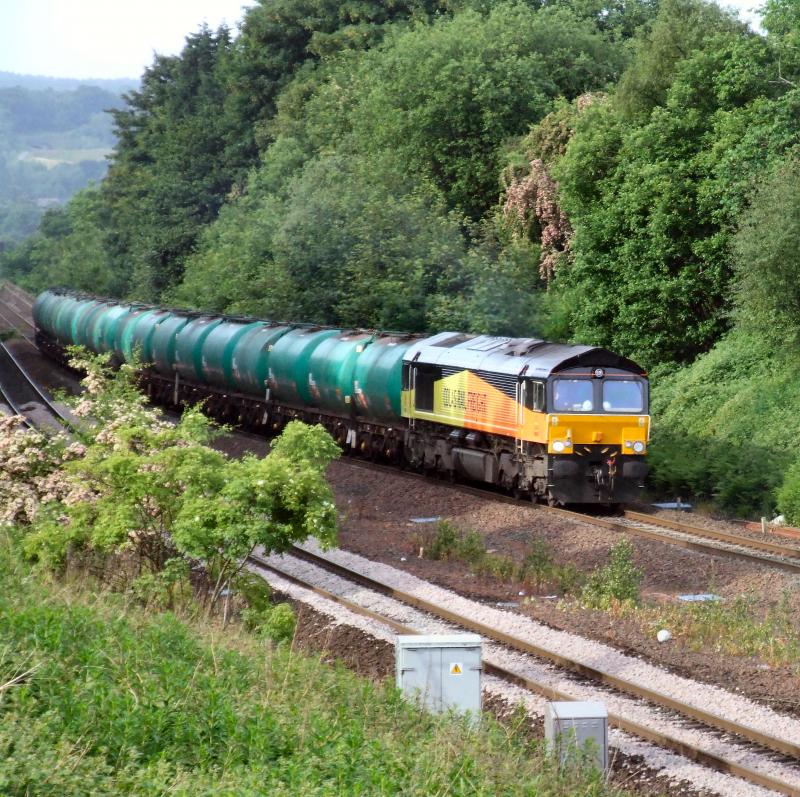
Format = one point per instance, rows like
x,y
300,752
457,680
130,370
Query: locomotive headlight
x,y
558,446
638,446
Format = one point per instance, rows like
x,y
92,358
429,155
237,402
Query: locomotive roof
x,y
530,357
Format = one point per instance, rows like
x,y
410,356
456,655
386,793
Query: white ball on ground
x,y
663,635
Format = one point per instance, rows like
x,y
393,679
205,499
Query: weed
x,y
537,568
127,702
736,628
442,544
618,582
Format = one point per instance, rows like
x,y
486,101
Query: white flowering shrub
x,y
31,471
137,483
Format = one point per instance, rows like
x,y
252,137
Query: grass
x,y
129,702
732,628
735,628
537,569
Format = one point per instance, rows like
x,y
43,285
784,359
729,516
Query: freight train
x,y
558,423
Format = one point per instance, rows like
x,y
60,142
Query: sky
x,y
101,38
117,38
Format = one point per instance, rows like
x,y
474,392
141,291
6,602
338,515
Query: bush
x,y
788,494
737,479
721,425
537,567
450,542
276,622
618,582
280,624
160,492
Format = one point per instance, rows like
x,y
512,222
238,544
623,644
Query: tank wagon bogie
x,y
565,424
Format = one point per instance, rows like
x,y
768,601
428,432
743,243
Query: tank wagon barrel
x,y
561,423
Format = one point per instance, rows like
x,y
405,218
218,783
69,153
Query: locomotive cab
x,y
597,434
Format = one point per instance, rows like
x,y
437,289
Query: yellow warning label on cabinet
x,y
456,668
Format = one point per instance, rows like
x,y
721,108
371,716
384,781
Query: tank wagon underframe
x,y
480,407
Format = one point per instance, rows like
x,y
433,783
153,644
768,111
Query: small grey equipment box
x,y
441,670
570,727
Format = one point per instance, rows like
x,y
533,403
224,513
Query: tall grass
x,y
126,702
739,627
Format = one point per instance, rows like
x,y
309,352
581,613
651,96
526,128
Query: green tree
x,y
160,489
444,98
278,39
767,258
654,201
681,28
69,249
167,177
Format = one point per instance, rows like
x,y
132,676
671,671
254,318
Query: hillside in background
x,y
55,136
39,82
581,170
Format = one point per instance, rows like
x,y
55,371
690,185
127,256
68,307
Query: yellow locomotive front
x,y
597,432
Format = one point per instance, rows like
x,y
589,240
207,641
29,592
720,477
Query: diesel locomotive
x,y
559,423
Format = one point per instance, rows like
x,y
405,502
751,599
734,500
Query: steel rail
x,y
706,717
790,564
47,402
12,327
13,406
715,534
9,308
18,293
664,740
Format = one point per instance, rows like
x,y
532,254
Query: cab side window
x,y
424,379
534,396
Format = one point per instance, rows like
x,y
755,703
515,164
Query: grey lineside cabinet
x,y
578,728
441,670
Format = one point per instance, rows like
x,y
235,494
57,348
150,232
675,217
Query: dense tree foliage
x,y
70,241
375,233
767,258
618,173
653,183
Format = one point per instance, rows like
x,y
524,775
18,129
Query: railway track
x,y
23,298
778,555
15,311
686,535
753,753
785,556
24,397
